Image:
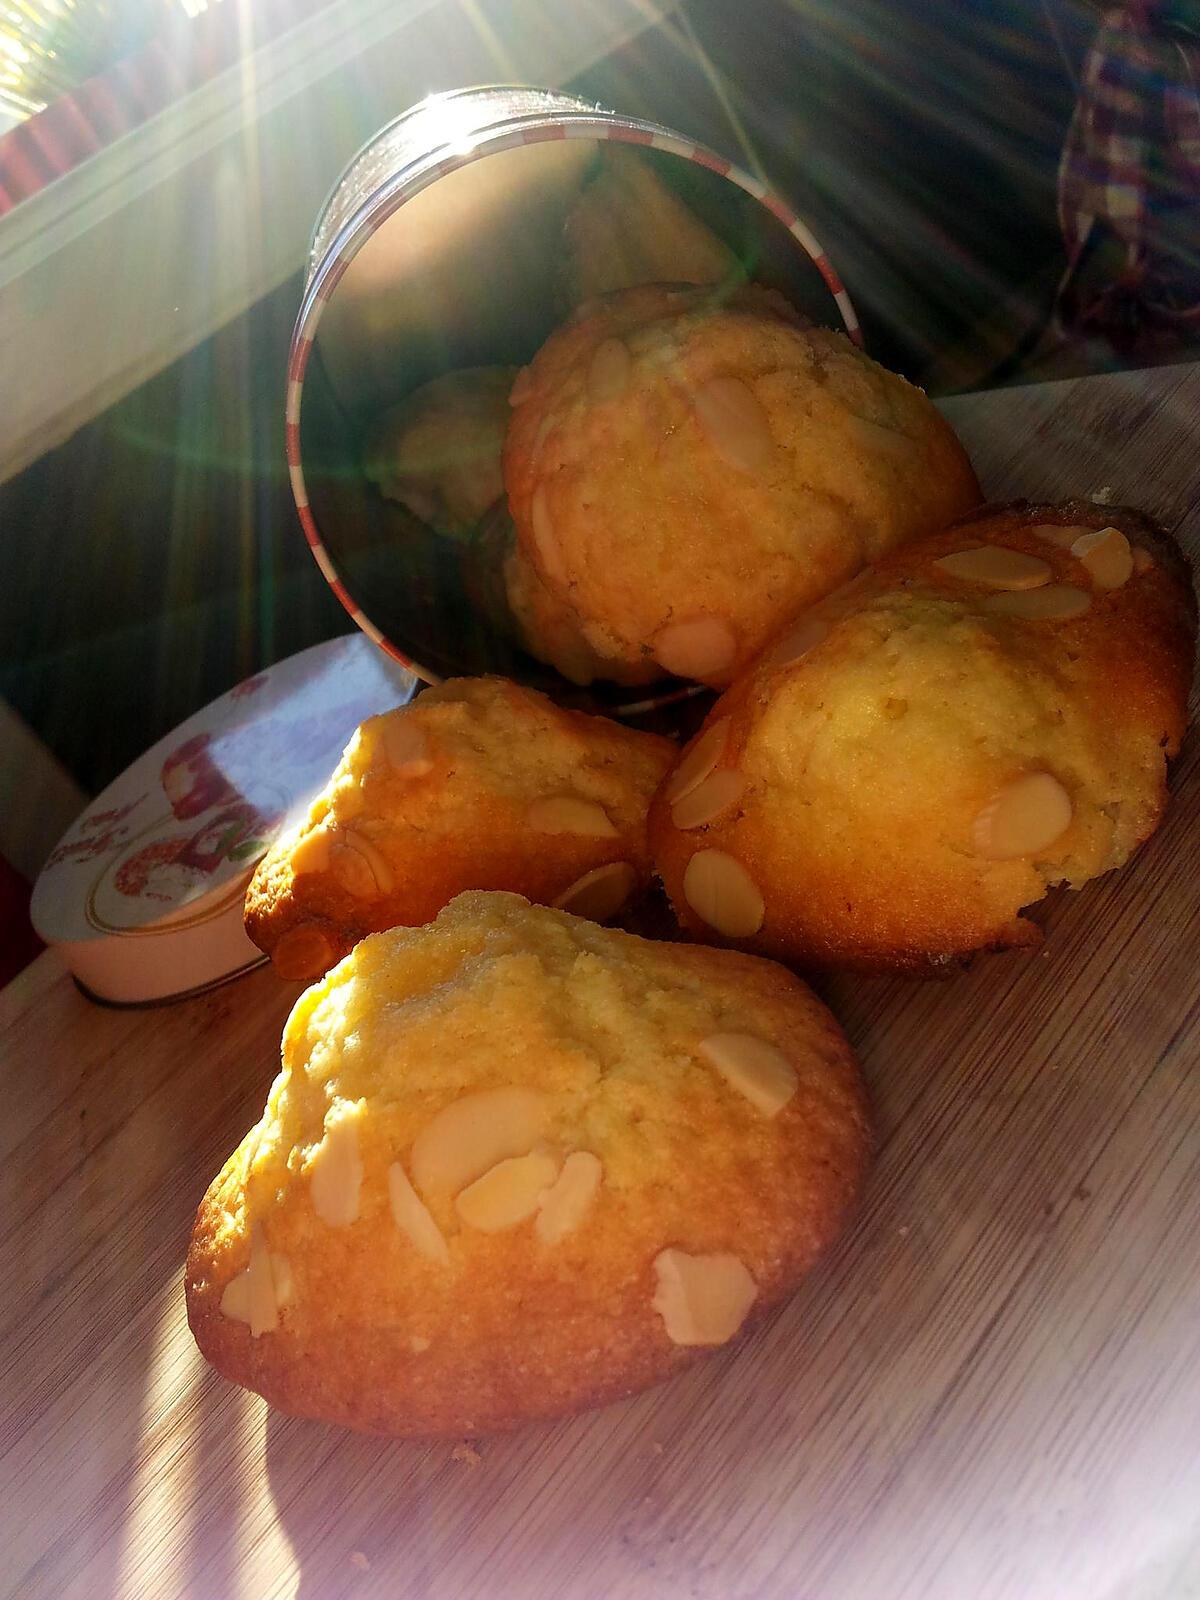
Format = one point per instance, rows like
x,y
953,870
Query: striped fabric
x,y
1130,167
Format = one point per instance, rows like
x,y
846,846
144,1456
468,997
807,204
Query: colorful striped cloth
x,y
1129,177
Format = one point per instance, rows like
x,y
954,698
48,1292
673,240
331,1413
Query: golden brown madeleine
x,y
516,1165
549,629
686,468
438,451
505,588
478,784
984,714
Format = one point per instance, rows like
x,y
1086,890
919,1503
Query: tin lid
x,y
143,895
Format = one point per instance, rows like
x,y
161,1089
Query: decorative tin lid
x,y
143,895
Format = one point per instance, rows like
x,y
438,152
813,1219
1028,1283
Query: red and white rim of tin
x,y
390,198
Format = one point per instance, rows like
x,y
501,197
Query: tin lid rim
x,y
444,98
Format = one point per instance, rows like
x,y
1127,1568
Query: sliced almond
x,y
311,853
599,894
797,642
702,648
470,1135
335,1171
508,1193
550,556
702,1299
710,799
567,813
698,762
565,1205
1027,815
736,424
753,1067
236,1300
360,867
722,893
378,862
1142,559
1107,557
412,1217
406,745
1057,602
608,371
303,952
262,1306
383,880
996,567
352,871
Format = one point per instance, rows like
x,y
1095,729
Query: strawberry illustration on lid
x,y
143,896
191,780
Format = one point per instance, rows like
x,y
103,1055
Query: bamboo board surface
x,y
991,1391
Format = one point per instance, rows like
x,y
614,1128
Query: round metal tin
x,y
400,219
143,895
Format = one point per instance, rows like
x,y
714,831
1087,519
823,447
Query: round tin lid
x,y
143,895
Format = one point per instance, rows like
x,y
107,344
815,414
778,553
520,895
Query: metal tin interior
x,y
440,248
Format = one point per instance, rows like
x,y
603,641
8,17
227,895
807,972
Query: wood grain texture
x,y
990,1392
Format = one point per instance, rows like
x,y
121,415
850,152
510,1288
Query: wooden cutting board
x,y
992,1389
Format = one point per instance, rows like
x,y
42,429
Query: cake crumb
x,y
1102,497
467,1454
359,1561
